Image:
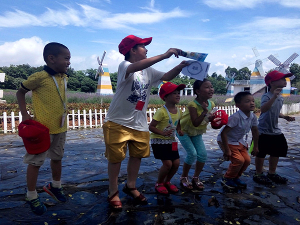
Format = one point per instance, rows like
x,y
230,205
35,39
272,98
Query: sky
x,y
227,30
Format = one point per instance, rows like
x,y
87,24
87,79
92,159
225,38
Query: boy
x,y
230,140
126,121
49,103
271,139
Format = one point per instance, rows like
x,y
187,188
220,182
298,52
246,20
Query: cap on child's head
x,y
35,136
168,88
221,118
130,41
275,75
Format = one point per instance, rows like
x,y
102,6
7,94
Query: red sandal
x,y
117,205
161,189
171,187
141,199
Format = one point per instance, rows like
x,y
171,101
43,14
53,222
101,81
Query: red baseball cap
x,y
35,136
168,88
275,75
221,118
130,41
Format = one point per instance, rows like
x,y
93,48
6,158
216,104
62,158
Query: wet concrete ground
x,y
85,182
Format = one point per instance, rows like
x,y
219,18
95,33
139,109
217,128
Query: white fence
x,y
92,119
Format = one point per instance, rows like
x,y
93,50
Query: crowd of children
x,y
126,126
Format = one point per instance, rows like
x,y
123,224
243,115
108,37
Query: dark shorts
x,y
273,145
164,152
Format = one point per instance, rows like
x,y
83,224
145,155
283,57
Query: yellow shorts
x,y
117,137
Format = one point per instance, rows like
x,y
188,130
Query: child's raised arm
x,y
145,63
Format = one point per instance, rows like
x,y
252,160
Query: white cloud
x,y
205,20
24,51
86,16
233,56
239,4
232,4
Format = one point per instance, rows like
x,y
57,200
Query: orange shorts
x,y
118,137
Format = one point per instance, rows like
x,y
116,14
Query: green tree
x,y
88,85
91,73
113,80
73,84
295,69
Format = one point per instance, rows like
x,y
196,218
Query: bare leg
x,y
56,169
185,170
32,175
198,169
259,163
113,173
133,170
273,161
173,170
164,170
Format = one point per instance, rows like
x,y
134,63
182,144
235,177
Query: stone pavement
x,y
85,183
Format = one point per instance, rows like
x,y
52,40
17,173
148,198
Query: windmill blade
x,y
254,49
100,69
100,62
258,65
290,59
274,60
282,70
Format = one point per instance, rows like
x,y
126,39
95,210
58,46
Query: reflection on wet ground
x,y
85,183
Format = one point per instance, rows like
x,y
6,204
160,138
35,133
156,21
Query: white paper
x,y
197,70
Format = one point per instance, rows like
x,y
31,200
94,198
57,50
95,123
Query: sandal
x,y
197,183
184,182
117,205
141,199
171,187
161,189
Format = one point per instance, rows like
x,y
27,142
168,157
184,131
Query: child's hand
x,y
289,118
172,51
180,132
254,152
182,65
277,91
227,155
212,117
204,106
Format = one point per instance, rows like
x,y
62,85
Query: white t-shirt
x,y
136,87
241,125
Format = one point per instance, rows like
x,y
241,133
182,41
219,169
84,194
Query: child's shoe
x,y
197,184
229,183
56,193
36,206
262,179
171,187
161,189
277,178
240,183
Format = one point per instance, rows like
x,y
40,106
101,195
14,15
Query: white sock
x,y
32,195
56,184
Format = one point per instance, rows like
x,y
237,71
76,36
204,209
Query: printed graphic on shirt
x,y
139,91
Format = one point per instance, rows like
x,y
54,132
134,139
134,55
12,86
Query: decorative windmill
x,y
104,83
257,81
284,68
229,86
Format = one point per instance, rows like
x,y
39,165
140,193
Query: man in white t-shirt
x,y
126,121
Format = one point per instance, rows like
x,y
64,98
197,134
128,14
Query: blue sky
x,y
225,29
